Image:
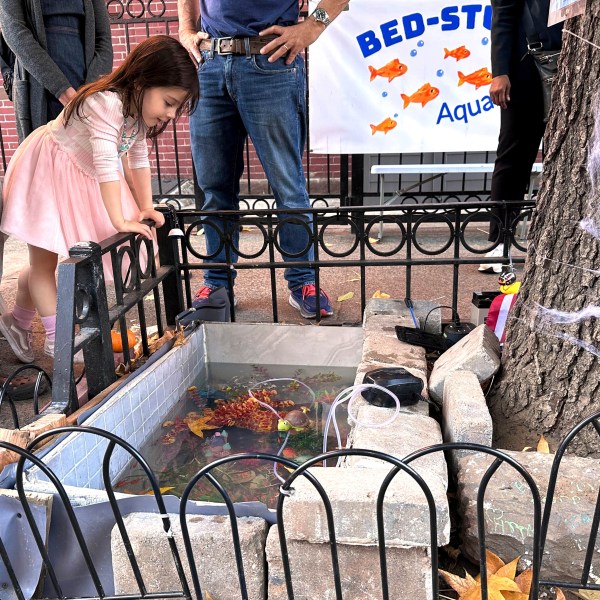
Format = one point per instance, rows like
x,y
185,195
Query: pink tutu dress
x,y
51,194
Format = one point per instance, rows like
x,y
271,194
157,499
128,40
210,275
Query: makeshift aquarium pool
x,y
149,410
254,412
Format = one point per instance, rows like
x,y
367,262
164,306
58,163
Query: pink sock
x,y
49,324
23,317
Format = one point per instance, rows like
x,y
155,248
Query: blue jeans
x,y
241,96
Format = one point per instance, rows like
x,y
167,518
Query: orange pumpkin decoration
x,y
117,344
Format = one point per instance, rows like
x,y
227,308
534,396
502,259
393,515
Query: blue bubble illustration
x,y
384,94
395,115
485,41
440,73
420,43
413,52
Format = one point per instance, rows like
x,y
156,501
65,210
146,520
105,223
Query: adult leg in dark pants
x,y
521,131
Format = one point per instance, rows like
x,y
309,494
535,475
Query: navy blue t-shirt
x,y
245,18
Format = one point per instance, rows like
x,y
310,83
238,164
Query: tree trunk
x,y
551,377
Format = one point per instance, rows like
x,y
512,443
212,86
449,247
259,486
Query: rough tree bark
x,y
550,383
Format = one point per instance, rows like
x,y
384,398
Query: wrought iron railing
x,y
535,543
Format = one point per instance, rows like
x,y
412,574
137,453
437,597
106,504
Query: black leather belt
x,y
242,46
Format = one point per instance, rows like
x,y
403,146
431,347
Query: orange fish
x,y
385,126
424,94
458,53
392,70
477,78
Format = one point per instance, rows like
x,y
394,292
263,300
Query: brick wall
x,y
127,33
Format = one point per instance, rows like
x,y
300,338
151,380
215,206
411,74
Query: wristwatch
x,y
320,16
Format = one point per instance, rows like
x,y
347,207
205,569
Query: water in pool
x,y
262,409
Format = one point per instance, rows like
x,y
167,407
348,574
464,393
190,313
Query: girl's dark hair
x,y
159,61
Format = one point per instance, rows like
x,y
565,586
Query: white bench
x,y
435,170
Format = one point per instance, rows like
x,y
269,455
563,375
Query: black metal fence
x,y
54,588
452,234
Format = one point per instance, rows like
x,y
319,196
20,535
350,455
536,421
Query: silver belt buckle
x,y
217,46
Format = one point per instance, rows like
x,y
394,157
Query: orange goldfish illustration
x,y
424,94
458,53
392,70
477,78
385,126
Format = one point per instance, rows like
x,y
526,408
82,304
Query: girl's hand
x,y
134,227
153,215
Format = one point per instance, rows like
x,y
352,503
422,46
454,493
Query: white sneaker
x,y
49,351
492,267
19,339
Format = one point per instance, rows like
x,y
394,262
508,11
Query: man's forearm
x,y
333,7
189,13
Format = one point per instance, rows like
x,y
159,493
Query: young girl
x,y
64,185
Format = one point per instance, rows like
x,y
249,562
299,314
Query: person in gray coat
x,y
58,47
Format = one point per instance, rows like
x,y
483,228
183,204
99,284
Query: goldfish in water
x,y
477,78
458,53
423,95
392,70
385,126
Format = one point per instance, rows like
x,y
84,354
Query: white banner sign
x,y
393,76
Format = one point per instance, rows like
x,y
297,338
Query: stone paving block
x,y
353,493
508,511
409,571
406,434
466,416
478,352
213,552
391,351
398,309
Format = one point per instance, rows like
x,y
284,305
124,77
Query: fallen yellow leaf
x,y
380,294
543,445
374,240
354,279
347,296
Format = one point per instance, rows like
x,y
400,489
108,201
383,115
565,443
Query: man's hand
x,y
190,40
500,90
67,96
291,40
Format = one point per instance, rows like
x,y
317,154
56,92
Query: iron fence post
x,y
167,256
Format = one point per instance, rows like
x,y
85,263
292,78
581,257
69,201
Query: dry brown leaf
x,y
457,583
559,594
543,445
509,570
380,294
207,596
347,296
496,585
493,562
524,580
452,552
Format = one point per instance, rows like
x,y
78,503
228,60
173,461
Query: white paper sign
x,y
393,76
560,10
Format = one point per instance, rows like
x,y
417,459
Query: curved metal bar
x,y
114,440
537,503
290,221
434,219
338,221
558,456
206,472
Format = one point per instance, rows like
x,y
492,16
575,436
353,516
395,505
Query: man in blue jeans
x,y
252,81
